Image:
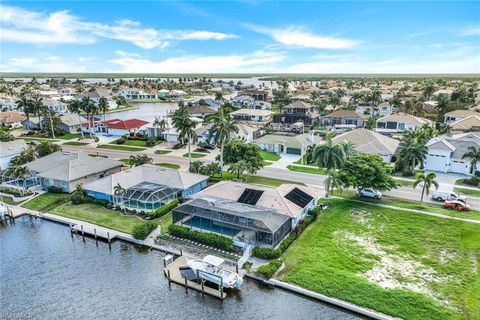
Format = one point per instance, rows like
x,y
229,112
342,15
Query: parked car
x,y
443,196
456,205
370,193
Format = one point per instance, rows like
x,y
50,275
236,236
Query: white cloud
x,y
42,64
259,61
61,27
472,31
296,36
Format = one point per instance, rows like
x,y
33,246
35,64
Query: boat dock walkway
x,y
173,274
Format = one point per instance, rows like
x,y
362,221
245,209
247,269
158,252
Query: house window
x,y
401,126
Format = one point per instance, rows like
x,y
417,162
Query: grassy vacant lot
x,y
404,264
118,147
195,155
168,165
468,192
46,201
98,215
314,170
75,143
270,156
411,204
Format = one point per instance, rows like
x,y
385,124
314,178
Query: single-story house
x,y
247,213
470,123
367,141
55,105
456,115
97,94
400,122
12,119
118,127
8,104
445,153
200,111
65,170
10,149
343,119
287,143
71,123
252,115
147,187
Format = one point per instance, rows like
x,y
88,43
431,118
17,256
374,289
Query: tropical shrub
x,y
267,270
15,192
163,210
120,141
141,231
151,142
53,189
212,239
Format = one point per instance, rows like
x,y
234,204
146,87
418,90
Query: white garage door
x,y
435,162
459,166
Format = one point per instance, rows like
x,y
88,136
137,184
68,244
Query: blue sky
x,y
241,36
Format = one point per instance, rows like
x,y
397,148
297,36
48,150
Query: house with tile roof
x,y
12,119
400,122
297,111
343,119
456,115
118,127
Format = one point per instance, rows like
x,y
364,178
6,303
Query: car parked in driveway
x,y
370,193
443,196
456,205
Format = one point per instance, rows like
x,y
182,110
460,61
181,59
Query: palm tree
x,y
185,128
222,129
75,106
103,106
19,173
428,179
118,190
240,167
218,96
38,107
26,105
328,155
348,149
333,182
52,118
88,106
473,153
375,97
160,124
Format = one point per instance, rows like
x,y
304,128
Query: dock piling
x,y
186,285
95,235
83,233
203,287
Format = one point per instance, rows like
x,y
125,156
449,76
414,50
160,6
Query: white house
x,y
383,109
252,115
456,115
445,153
136,94
118,127
97,94
8,150
400,122
55,105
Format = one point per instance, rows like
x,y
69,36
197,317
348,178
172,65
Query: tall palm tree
x,y
328,155
119,191
348,149
222,129
428,179
473,153
89,107
218,96
75,106
25,104
52,119
185,128
103,106
160,124
39,108
333,182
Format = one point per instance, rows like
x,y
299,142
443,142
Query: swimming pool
x,y
207,224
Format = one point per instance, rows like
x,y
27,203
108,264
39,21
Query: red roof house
x,y
117,126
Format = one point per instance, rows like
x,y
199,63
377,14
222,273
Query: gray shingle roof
x,y
367,141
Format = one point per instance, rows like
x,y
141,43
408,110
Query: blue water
x,y
198,222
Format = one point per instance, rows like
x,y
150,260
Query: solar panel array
x,y
299,197
250,196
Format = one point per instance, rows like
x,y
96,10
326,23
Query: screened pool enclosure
x,y
147,196
244,223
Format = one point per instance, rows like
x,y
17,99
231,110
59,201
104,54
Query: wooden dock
x,y
92,231
172,272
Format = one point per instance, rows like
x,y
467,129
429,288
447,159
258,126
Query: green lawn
x,y
270,156
97,155
162,151
125,161
168,165
267,163
75,143
165,222
271,182
405,183
46,201
37,139
468,192
99,215
8,200
118,147
133,143
355,251
412,204
195,155
313,170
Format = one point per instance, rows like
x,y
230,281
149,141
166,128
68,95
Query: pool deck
x,y
172,272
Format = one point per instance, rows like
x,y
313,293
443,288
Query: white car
x,y
444,196
370,193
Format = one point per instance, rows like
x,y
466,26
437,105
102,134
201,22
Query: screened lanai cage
x,y
147,196
9,180
242,222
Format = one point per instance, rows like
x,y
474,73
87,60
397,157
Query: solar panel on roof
x,y
250,196
299,197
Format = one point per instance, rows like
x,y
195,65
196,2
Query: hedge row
x,y
269,254
211,239
163,210
15,192
267,270
141,231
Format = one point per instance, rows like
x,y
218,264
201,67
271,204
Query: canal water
x,y
45,274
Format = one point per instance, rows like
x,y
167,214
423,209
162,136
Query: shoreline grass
x,y
350,241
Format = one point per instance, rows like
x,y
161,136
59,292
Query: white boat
x,y
210,268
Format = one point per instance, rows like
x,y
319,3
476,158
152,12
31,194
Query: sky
x,y
240,36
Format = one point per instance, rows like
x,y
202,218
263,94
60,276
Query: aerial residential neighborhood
x,y
207,167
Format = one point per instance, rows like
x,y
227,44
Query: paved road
x,y
270,172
